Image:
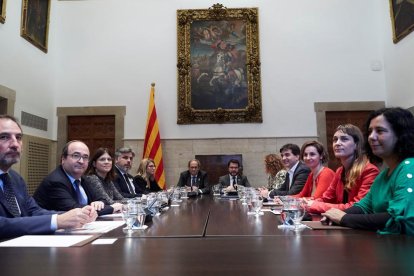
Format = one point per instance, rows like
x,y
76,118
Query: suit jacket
x,y
33,220
122,186
241,180
298,181
56,192
201,181
141,185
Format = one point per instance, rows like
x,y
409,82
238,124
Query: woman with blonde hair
x,y
275,170
353,179
145,178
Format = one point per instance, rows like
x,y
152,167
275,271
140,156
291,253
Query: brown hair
x,y
273,164
360,159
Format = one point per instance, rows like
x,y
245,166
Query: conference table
x,y
213,236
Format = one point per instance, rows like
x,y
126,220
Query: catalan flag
x,y
152,143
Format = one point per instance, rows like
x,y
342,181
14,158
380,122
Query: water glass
x,y
216,190
183,192
257,203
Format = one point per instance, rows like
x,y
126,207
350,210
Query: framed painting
x,y
218,66
402,18
35,22
2,11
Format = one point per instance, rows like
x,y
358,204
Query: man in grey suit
x,y
230,181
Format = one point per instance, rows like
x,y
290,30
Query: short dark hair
x,y
293,147
235,161
65,150
402,123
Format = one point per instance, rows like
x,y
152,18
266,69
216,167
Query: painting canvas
x,y
35,22
2,11
218,66
402,18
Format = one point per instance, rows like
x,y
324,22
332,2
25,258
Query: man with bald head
x,y
19,213
63,188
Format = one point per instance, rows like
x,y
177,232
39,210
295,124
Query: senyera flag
x,y
152,143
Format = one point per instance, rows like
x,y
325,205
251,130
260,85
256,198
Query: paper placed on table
x,y
96,227
116,215
317,225
49,241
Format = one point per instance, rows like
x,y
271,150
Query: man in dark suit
x,y
123,181
230,181
19,213
194,179
63,190
297,172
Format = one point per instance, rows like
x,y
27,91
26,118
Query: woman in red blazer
x,y
314,155
353,179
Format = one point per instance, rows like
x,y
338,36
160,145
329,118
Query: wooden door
x,y
336,118
95,131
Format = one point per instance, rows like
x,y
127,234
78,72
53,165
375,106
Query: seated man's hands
x,y
75,218
264,192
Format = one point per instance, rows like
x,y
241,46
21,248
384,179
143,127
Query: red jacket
x,y
332,198
322,182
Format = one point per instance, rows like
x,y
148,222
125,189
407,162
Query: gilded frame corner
x,y
35,22
401,18
3,11
218,66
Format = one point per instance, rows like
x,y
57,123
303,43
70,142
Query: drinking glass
x,y
216,190
183,192
257,203
298,213
242,194
140,219
129,214
293,212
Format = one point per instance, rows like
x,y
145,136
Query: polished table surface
x,y
231,243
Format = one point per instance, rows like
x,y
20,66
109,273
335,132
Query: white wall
x,y
399,63
107,52
26,70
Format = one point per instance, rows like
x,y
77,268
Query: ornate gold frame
x,y
402,19
2,11
252,111
35,22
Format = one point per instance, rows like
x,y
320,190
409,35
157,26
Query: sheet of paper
x,y
97,227
104,241
46,241
116,215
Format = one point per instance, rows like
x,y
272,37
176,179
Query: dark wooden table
x,y
231,244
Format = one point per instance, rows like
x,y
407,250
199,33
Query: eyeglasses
x,y
78,157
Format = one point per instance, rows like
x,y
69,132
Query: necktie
x,y
234,182
79,195
192,182
9,195
129,184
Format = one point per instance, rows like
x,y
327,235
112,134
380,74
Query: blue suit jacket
x,y
33,220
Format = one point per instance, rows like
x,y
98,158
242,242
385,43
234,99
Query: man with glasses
x,y
19,213
194,179
124,182
63,190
